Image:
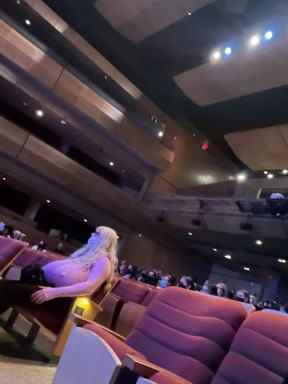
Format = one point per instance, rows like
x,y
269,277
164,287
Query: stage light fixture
x,y
268,35
228,51
228,257
254,41
216,56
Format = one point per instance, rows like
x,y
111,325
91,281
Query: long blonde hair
x,y
105,244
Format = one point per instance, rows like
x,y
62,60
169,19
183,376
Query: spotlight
x,y
270,176
266,172
228,51
216,56
28,22
190,234
247,269
188,13
241,177
85,220
111,163
48,201
228,257
259,242
268,35
254,41
63,122
18,2
160,134
285,172
140,235
4,178
282,261
39,113
214,249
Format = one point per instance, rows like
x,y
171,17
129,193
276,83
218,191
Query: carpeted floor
x,y
22,364
15,371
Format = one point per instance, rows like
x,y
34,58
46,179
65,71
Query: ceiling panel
x,y
261,149
249,71
139,19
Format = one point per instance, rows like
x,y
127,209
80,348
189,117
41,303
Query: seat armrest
x,y
141,367
81,322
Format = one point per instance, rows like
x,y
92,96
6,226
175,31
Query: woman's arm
x,y
99,273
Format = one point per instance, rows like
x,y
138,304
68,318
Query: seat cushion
x,y
118,346
187,333
259,352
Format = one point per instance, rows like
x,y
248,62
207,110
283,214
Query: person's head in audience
x,y
222,290
242,295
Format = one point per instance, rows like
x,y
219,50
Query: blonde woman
x,y
81,274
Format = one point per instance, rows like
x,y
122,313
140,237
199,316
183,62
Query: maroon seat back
x,y
9,248
187,332
130,290
259,353
152,293
29,256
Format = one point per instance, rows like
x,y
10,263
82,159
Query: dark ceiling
x,y
183,45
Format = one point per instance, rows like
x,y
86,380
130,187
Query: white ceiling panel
x,y
139,19
249,71
261,149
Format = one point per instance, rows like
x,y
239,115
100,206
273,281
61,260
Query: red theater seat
x,y
9,250
129,290
185,333
259,353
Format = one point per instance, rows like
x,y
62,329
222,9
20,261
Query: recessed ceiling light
x,y
228,257
111,163
85,220
39,113
4,178
228,51
270,176
254,41
282,261
160,134
63,122
247,269
268,35
190,234
28,22
259,242
48,201
241,177
285,171
216,56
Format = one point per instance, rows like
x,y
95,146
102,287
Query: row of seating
x,y
124,307
190,337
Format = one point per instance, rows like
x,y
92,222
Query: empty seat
x,y
130,290
185,333
259,352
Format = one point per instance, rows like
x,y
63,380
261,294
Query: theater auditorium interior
x,y
143,192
